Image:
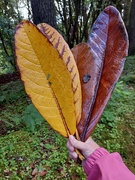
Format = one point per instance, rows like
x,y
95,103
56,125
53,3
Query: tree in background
x,y
126,7
8,18
131,31
75,18
28,6
44,11
11,13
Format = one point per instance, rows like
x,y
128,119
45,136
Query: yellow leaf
x,y
59,43
46,78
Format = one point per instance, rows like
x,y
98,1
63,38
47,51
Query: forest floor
x,y
30,149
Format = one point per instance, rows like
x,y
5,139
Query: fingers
x,y
72,154
69,146
87,148
73,144
77,144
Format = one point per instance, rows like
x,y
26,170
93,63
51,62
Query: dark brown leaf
x,y
108,40
88,71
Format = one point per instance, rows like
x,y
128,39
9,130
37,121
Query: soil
x,y
5,78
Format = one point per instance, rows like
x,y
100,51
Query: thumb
x,y
75,143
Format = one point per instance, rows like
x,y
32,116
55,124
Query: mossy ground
x,y
26,153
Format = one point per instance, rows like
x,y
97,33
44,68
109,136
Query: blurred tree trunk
x,y
76,17
29,9
44,11
127,5
132,29
74,20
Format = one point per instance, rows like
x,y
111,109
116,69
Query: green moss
x,y
23,151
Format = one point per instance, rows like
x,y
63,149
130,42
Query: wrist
x,y
90,147
93,158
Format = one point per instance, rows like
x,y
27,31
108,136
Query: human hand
x,y
87,148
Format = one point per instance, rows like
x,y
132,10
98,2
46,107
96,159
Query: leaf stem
x,y
80,156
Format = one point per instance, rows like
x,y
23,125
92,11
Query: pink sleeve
x,y
101,165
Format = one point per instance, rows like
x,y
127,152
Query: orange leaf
x,y
46,78
59,43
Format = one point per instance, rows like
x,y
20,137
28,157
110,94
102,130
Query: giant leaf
x,y
88,71
58,42
108,40
46,77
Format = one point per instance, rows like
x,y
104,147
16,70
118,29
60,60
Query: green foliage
x,y
21,152
31,118
9,18
6,43
11,94
115,107
5,66
129,72
8,95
